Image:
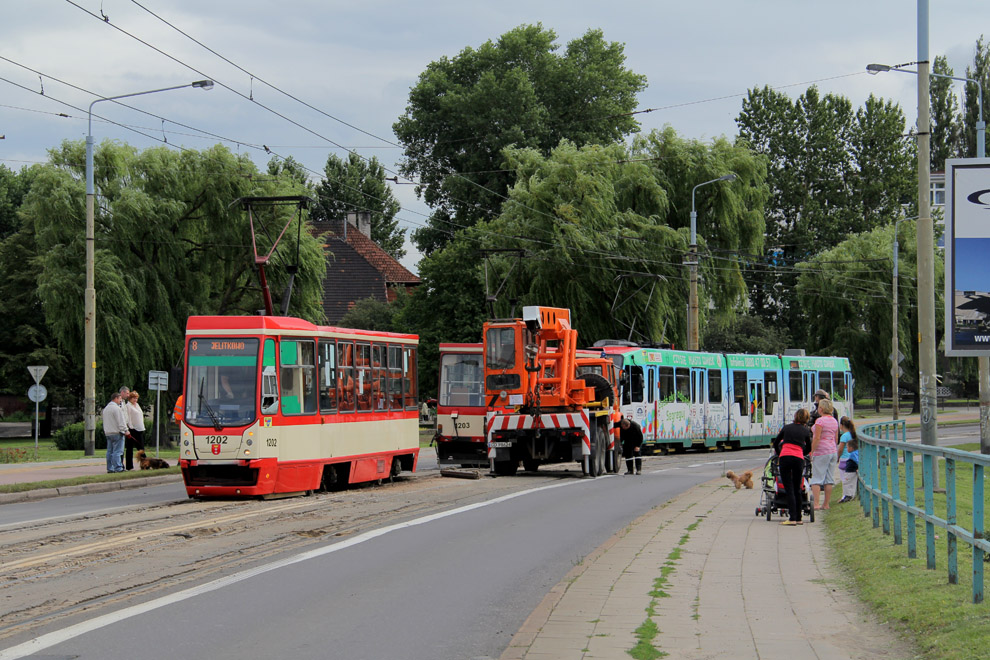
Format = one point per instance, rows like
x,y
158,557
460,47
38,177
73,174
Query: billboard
x,y
967,256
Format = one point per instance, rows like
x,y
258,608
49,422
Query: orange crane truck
x,y
546,401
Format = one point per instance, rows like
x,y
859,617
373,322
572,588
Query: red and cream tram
x,y
277,405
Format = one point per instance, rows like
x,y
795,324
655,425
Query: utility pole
x,y
926,247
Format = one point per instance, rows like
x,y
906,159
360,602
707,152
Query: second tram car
x,y
277,405
685,399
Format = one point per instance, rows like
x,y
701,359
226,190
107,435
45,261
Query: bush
x,y
73,436
18,416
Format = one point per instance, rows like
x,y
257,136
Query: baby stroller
x,y
773,499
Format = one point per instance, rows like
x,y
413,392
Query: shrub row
x,y
73,436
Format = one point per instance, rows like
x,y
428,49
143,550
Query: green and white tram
x,y
685,399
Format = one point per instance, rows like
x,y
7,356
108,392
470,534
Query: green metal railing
x,y
886,470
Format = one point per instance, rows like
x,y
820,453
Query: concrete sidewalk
x,y
716,582
18,473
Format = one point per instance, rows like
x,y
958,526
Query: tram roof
x,y
277,325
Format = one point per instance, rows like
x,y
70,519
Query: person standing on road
x,y
632,442
792,445
115,428
135,429
823,456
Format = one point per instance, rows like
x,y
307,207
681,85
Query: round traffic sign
x,y
37,393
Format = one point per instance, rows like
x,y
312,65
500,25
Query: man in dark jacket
x,y
632,442
818,396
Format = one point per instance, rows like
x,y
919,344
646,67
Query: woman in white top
x,y
135,429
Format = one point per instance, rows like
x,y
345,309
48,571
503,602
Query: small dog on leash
x,y
150,463
744,479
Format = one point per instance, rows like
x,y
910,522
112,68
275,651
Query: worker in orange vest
x,y
178,411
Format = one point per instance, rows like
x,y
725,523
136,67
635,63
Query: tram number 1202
x,y
216,439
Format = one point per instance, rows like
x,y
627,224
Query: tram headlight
x,y
247,452
187,444
249,442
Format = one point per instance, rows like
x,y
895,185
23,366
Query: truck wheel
x,y
531,464
506,468
596,459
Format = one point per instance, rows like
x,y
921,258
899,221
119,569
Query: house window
x,y
938,193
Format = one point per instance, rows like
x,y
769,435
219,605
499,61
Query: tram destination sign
x,y
967,243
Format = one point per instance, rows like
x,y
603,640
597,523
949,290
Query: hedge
x,y
73,436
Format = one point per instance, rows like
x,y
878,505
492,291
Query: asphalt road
x,y
454,584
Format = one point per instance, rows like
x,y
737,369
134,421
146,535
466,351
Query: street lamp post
x,y
982,361
89,298
692,262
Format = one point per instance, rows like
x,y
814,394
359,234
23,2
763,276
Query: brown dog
x,y
744,479
150,463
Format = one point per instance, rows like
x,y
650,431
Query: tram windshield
x,y
461,380
221,382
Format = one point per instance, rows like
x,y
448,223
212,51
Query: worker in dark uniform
x,y
632,442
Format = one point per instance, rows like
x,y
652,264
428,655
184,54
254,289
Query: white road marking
x,y
59,636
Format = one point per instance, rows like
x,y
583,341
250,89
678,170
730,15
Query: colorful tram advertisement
x,y
685,399
460,436
277,405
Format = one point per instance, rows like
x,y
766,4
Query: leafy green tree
x,y
169,244
831,172
586,216
373,314
845,293
291,169
13,187
359,185
519,91
979,71
745,334
946,138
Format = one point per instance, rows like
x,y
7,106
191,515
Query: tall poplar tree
x,y
519,91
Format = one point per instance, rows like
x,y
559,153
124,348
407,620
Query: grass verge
x,y
88,479
941,617
22,450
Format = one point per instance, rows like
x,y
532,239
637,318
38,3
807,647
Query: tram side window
x,y
665,383
395,377
770,390
796,381
328,376
298,377
409,383
345,381
714,386
362,376
682,379
379,372
739,395
825,382
839,386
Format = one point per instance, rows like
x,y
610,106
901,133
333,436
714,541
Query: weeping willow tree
x,y
170,243
598,221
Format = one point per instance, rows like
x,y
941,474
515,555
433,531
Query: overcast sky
x,y
355,62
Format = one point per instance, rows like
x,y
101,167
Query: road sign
x,y
38,373
896,371
158,380
900,357
37,393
